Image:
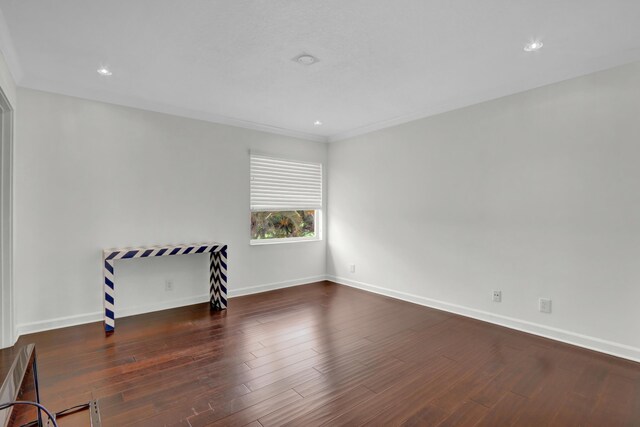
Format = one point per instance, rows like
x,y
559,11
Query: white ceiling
x,y
380,62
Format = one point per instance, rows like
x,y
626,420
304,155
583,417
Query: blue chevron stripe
x,y
112,254
109,313
108,266
147,253
108,298
108,282
130,254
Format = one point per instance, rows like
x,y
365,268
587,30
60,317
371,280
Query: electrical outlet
x,y
497,296
168,285
545,305
352,268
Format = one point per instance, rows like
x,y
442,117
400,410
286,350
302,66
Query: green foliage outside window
x,y
282,224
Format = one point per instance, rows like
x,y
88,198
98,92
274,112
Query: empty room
x,y
319,213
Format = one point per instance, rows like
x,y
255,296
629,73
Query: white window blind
x,y
281,185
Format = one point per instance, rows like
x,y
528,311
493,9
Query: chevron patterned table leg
x,y
109,293
223,277
214,288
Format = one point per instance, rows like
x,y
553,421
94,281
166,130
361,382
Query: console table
x,y
217,271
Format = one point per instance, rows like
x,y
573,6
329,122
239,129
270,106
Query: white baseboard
x,y
591,343
79,319
60,322
273,286
158,306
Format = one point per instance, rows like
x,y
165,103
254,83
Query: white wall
x,y
536,194
90,175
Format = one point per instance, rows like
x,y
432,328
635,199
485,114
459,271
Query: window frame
x,y
318,217
317,220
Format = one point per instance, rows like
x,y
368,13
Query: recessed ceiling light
x,y
533,46
317,123
104,71
305,59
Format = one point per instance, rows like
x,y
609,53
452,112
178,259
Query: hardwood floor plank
x,y
248,415
300,413
399,401
279,381
333,408
543,406
325,354
468,414
505,412
574,409
591,381
429,415
614,406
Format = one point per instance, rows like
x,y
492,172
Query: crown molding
x,y
451,105
612,61
148,105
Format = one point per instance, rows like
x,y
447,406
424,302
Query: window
x,y
286,199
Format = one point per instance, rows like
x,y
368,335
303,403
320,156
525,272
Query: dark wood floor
x,y
324,354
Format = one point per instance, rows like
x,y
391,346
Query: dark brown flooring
x,y
324,354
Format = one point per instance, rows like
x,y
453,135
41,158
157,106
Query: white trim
x,y
8,336
158,306
275,285
259,242
159,107
98,316
60,322
592,343
469,100
585,341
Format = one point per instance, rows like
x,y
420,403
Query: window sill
x,y
261,242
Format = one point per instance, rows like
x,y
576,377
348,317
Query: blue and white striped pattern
x,y
217,271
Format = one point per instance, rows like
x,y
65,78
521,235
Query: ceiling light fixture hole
x,y
306,59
